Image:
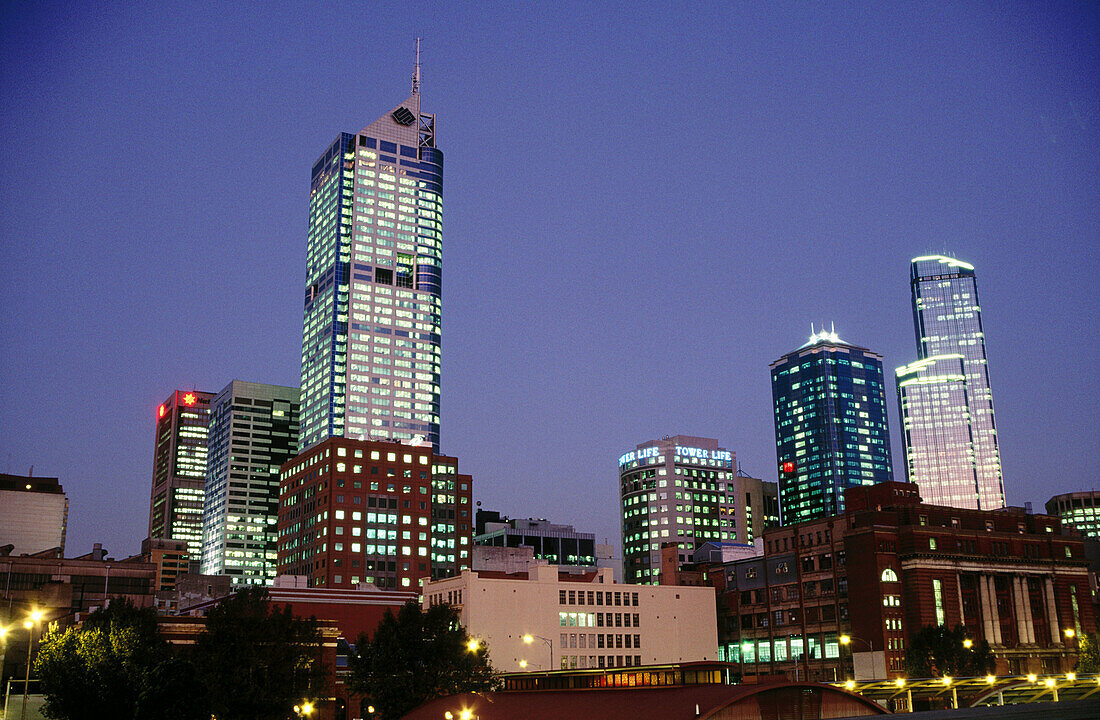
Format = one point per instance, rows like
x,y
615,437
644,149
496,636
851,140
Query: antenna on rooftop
x,y
416,70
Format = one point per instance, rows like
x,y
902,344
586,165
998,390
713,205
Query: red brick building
x,y
376,512
891,565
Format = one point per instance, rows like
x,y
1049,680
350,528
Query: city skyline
x,y
575,235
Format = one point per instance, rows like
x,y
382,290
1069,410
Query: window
x,y
931,543
888,575
937,594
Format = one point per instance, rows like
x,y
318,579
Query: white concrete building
x,y
579,620
34,514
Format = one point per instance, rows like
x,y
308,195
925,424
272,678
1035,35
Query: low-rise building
x,y
891,565
553,543
547,619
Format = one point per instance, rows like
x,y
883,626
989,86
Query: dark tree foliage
x,y
1088,659
255,660
416,656
936,651
115,666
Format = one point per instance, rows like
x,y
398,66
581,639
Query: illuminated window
x,y
888,575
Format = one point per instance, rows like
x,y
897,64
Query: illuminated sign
x,y
701,454
640,454
190,399
161,411
787,467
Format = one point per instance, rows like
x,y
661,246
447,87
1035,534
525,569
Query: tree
x,y
416,656
115,665
1088,649
256,660
936,651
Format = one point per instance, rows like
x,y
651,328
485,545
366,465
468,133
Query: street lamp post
x,y
531,638
30,623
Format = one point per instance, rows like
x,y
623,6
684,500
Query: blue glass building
x,y
946,404
831,431
371,339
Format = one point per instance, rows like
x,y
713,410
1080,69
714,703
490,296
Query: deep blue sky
x,y
645,205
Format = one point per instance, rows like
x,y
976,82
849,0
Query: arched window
x,y
889,575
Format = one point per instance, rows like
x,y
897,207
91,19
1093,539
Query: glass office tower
x,y
371,333
179,469
253,431
831,431
938,408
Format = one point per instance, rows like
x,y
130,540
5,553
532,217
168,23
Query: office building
x,y
555,544
179,469
1078,510
578,620
253,432
34,514
891,565
375,512
371,332
171,559
831,431
683,489
951,446
939,438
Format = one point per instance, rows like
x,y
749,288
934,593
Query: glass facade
x,y
831,430
1079,510
179,468
371,341
253,431
939,446
948,323
681,490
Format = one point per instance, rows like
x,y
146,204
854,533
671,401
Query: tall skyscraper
x,y
951,447
831,431
371,335
253,431
179,469
684,490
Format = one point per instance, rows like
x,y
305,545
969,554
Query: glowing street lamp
x,y
473,645
968,643
30,623
529,638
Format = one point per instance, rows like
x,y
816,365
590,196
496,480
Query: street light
x,y
968,643
304,710
523,664
30,623
473,645
531,638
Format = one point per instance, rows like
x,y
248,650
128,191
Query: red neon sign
x,y
788,467
190,399
161,411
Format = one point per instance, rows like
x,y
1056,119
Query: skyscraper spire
x,y
416,70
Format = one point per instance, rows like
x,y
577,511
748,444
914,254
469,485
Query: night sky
x,y
644,205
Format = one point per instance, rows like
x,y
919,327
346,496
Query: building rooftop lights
x,y
944,260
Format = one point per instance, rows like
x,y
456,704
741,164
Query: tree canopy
x,y
253,662
115,666
256,660
936,651
1088,659
416,656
